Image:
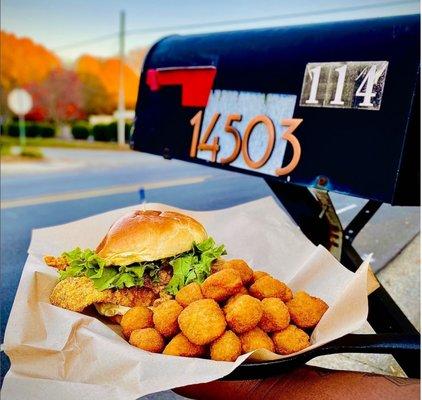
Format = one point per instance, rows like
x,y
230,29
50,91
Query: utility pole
x,y
121,105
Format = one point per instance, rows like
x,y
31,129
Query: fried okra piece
x,y
222,285
259,274
243,313
226,348
165,317
181,346
202,321
148,339
136,318
305,310
256,339
241,292
275,315
267,286
245,271
290,340
189,293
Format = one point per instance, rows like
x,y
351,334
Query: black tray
x,y
388,343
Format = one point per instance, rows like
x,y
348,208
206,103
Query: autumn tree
x,y
59,97
22,62
108,72
95,98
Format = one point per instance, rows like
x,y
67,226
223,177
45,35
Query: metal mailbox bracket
x,y
318,220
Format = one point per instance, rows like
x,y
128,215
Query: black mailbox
x,y
332,106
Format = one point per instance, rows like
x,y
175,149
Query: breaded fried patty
x,y
76,294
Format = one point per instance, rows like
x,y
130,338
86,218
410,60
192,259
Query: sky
x,y
75,27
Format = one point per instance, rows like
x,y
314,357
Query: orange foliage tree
x,y
23,61
96,83
108,72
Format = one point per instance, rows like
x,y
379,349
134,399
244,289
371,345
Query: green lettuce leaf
x,y
87,263
192,266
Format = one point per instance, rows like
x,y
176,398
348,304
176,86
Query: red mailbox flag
x,y
196,82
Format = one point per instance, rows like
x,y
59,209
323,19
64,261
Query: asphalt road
x,y
77,183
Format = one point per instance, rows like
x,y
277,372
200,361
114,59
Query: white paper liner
x,y
56,353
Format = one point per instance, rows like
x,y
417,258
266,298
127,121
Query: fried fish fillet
x,y
78,293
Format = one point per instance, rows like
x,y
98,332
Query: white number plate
x,y
247,130
349,84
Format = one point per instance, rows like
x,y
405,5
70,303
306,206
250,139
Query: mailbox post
x,y
327,107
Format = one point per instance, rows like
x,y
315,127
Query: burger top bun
x,y
149,235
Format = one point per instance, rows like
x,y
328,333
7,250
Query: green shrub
x,y
81,130
108,132
32,129
12,129
46,130
112,131
101,133
32,152
128,128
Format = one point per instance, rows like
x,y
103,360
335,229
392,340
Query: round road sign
x,y
19,101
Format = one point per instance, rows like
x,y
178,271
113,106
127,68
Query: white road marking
x,y
77,195
347,208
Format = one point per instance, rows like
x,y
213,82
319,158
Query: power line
x,y
222,23
87,41
269,18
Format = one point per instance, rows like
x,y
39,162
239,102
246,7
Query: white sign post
x,y
20,102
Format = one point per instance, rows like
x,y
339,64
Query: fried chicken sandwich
x,y
146,257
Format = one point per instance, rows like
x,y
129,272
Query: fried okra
x,y
267,286
202,321
305,310
275,315
189,293
181,346
259,274
245,271
226,348
136,318
148,339
241,292
243,313
165,317
290,340
221,285
255,339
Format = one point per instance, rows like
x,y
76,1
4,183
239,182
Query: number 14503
x,y
242,140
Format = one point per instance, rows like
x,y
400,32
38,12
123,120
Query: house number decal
x,y
357,85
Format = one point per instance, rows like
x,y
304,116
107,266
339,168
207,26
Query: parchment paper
x,y
60,354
